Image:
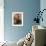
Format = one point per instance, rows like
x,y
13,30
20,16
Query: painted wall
x,y
29,7
43,6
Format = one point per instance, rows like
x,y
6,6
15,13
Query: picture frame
x,y
17,18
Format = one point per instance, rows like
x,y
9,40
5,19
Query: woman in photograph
x,y
17,19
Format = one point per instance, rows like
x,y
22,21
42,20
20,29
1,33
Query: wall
x,y
43,6
1,20
29,7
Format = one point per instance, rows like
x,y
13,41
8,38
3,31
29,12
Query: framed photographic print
x,y
17,18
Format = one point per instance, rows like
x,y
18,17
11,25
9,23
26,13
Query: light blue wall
x,y
29,7
43,6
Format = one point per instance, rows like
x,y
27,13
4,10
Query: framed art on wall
x,y
17,18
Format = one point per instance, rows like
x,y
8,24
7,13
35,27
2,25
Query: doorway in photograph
x,y
17,18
